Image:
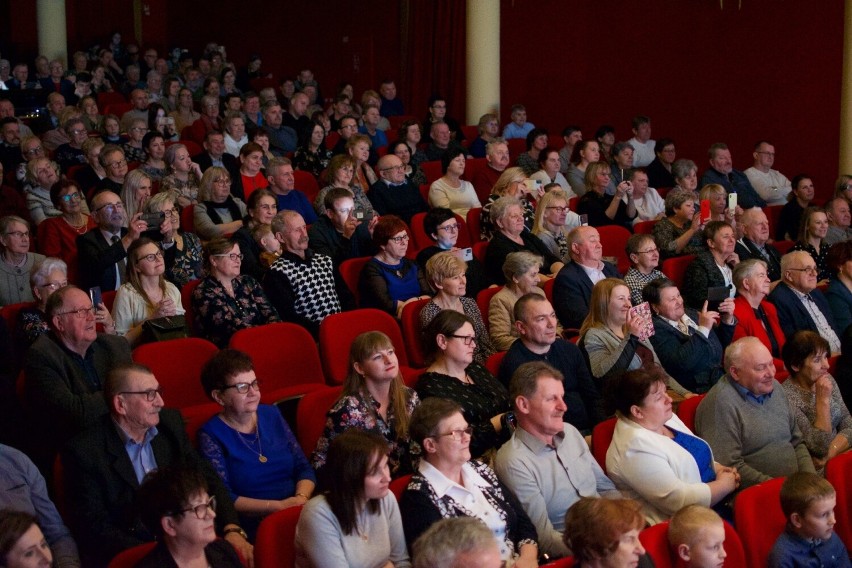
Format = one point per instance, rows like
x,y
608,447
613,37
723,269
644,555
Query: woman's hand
x,y
726,311
165,308
624,188
732,259
729,480
823,389
635,323
528,557
695,225
103,317
196,169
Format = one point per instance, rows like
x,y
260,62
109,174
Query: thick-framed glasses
x,y
82,313
33,151
173,212
150,394
243,388
18,234
77,131
468,339
809,269
110,207
400,239
231,255
72,197
151,257
459,434
450,228
118,163
400,167
201,510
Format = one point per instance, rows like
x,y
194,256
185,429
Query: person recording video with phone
x,y
712,267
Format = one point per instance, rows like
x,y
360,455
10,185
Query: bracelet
x,y
301,495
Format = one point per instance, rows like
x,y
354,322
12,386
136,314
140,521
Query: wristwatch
x,y
238,530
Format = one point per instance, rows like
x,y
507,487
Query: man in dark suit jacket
x,y
796,295
755,227
572,289
392,194
215,155
102,252
104,466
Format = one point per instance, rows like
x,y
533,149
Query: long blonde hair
x,y
133,275
543,204
599,304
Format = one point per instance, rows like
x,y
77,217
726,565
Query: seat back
x,y
473,166
494,361
307,184
601,438
187,219
311,414
687,408
112,97
194,417
644,228
338,331
517,146
398,485
479,250
838,471
418,232
117,108
274,542
474,224
186,299
759,519
655,540
783,246
10,314
471,133
675,268
130,557
614,241
432,170
412,333
773,214
483,300
567,562
177,365
350,271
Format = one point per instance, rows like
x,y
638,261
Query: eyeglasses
x,y
468,339
201,510
19,234
82,313
119,163
71,197
77,131
151,257
399,239
558,208
224,181
809,269
139,129
450,228
243,388
173,212
53,286
232,255
36,150
110,207
150,394
649,251
398,168
459,434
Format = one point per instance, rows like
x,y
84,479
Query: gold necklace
x,y
260,457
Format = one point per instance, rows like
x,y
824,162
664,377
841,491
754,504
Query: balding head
x,y
755,225
391,169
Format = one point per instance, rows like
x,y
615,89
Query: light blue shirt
x,y
141,454
512,130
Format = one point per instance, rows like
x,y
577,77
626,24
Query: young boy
x,y
519,127
808,502
697,537
270,246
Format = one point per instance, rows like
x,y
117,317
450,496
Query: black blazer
x,y
702,273
97,259
792,314
219,553
746,250
101,486
572,291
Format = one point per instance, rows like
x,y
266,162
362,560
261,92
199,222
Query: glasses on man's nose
x,y
149,394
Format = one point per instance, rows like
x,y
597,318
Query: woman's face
x,y
818,225
492,128
619,305
454,286
154,266
591,153
112,127
608,139
236,403
555,214
213,88
656,407
602,179
516,188
228,78
156,149
438,110
344,176
361,152
377,480
397,245
448,233
226,267
724,241
174,89
16,239
815,366
528,281
540,142
185,99
192,530
456,165
30,551
93,155
452,444
172,216
627,553
143,192
759,281
70,200
137,133
648,256
221,188
381,366
690,181
412,135
211,109
265,210
671,304
686,211
252,163
668,155
46,174
805,190
718,202
403,152
182,161
317,135
55,280
90,107
512,221
552,163
457,349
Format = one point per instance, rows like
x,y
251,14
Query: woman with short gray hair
x,y
685,173
679,233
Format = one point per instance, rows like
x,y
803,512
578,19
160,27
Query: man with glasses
x,y
348,127
71,153
800,304
105,465
65,371
114,163
771,185
546,462
102,251
392,194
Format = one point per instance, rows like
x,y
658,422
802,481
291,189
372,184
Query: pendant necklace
x,y
260,457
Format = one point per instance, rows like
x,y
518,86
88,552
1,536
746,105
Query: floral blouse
x,y
820,258
185,265
313,162
32,324
218,316
361,411
134,154
185,192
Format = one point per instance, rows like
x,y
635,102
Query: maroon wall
x,y
703,74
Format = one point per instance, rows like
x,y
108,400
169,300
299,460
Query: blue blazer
x,y
793,316
572,291
840,299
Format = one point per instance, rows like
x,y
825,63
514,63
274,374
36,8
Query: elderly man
x,y
497,160
295,116
65,370
139,100
114,163
282,183
771,185
102,251
800,305
536,324
282,139
154,86
746,419
573,287
641,142
56,82
105,465
7,110
71,154
392,194
50,121
251,111
391,104
519,127
754,242
839,219
348,127
441,141
723,173
300,284
214,155
20,79
457,542
546,462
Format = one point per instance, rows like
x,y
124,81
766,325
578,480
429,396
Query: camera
x,y
153,219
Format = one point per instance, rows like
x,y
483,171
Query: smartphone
x,y
732,202
153,219
359,213
584,219
718,293
96,296
467,254
705,210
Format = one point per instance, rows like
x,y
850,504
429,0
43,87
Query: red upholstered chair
x,y
479,251
338,331
472,166
734,547
644,227
112,97
686,410
567,562
474,225
759,519
259,83
418,233
117,108
424,192
10,314
601,437
274,542
310,416
783,246
483,300
675,268
177,365
548,289
471,133
773,213
838,471
517,146
412,333
572,203
614,240
396,121
350,271
655,540
187,219
398,485
108,298
432,169
307,184
194,417
186,299
130,557
332,139
464,233
494,361
285,358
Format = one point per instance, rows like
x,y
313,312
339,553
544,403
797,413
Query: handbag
x,y
165,328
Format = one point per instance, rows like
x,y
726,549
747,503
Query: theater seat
x,y
687,408
187,218
601,438
177,365
307,184
838,471
759,519
412,333
186,299
567,562
483,301
614,241
644,228
194,417
130,557
350,271
274,542
494,361
432,170
398,485
310,416
675,268
474,225
655,540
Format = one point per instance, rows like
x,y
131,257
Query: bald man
x,y
393,194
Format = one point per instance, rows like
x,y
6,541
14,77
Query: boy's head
x,y
263,236
808,502
519,114
697,536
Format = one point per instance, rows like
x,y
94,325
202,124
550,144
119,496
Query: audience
x,y
605,532
42,173
800,198
489,131
136,192
602,208
413,174
697,537
771,185
536,144
184,175
262,208
393,194
23,544
712,267
644,258
181,249
549,165
218,212
340,173
450,190
586,152
839,220
551,220
660,170
16,262
496,162
250,176
756,316
679,233
512,183
722,172
521,273
649,204
812,230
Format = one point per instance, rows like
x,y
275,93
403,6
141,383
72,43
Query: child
x,y
697,537
808,502
269,245
519,127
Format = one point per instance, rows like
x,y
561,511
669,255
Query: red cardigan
x,y
750,325
59,239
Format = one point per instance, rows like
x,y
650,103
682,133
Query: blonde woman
x,y
549,223
136,192
184,175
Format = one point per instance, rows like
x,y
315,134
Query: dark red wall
x,y
703,74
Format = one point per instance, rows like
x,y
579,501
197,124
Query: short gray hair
x,y
682,168
788,259
746,269
519,263
445,540
502,205
676,198
38,277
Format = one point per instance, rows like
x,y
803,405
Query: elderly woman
x,y
225,301
252,176
16,261
311,154
812,230
679,233
718,198
218,213
390,281
549,223
685,174
358,146
449,484
649,205
92,118
757,317
93,172
512,183
585,152
689,343
603,209
446,274
521,272
512,236
413,174
614,338
604,533
644,258
181,250
410,132
839,293
146,294
262,207
549,164
133,148
536,144
815,398
250,445
184,175
136,192
489,130
450,190
373,399
155,147
660,170
58,235
42,173
450,342
713,267
799,199
175,506
339,174
210,120
184,114
355,519
654,457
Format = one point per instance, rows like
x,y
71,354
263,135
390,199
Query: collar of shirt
x,y
593,271
747,394
801,296
535,444
445,486
130,442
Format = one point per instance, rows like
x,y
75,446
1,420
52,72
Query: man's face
x,y
519,117
441,135
764,156
150,57
155,83
499,157
109,211
757,229
215,145
392,169
721,161
12,134
252,105
233,104
756,370
273,116
162,67
372,117
538,326
7,109
802,274
588,250
139,412
624,159
348,127
305,76
298,105
295,235
643,132
542,413
283,179
73,329
21,73
56,104
840,216
388,91
56,70
139,99
204,66
342,209
573,138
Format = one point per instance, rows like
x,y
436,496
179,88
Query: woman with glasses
x,y
218,213
177,508
16,261
184,177
448,484
512,182
549,223
390,281
146,294
225,301
644,258
450,342
136,192
604,209
133,149
374,399
250,445
58,235
181,250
